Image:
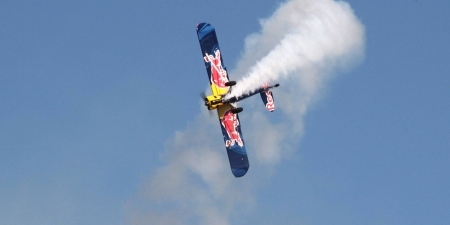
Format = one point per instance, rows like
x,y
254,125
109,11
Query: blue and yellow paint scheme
x,y
226,109
229,121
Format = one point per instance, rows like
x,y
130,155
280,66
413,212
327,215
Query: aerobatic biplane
x,y
227,109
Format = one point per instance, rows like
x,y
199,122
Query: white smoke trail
x,y
301,46
303,37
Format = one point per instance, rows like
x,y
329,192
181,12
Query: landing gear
x,y
236,110
230,83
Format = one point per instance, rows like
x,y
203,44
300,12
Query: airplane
x,y
227,109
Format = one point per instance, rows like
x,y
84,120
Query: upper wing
x,y
212,57
234,142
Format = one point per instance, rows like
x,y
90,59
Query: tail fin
x,y
267,98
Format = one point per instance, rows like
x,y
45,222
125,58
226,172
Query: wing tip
x,y
239,172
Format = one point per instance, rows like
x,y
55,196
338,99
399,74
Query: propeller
x,y
203,97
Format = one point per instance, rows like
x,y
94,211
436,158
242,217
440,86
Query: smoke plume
x,y
301,46
302,38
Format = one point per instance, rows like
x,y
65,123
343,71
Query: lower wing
x,y
234,142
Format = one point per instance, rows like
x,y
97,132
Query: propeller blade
x,y
203,95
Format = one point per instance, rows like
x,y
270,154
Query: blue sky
x,y
95,94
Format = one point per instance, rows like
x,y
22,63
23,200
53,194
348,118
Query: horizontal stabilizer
x,y
267,98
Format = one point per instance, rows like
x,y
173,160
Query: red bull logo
x,y
270,105
230,123
218,74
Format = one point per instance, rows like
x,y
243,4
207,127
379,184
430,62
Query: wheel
x,y
230,83
237,110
